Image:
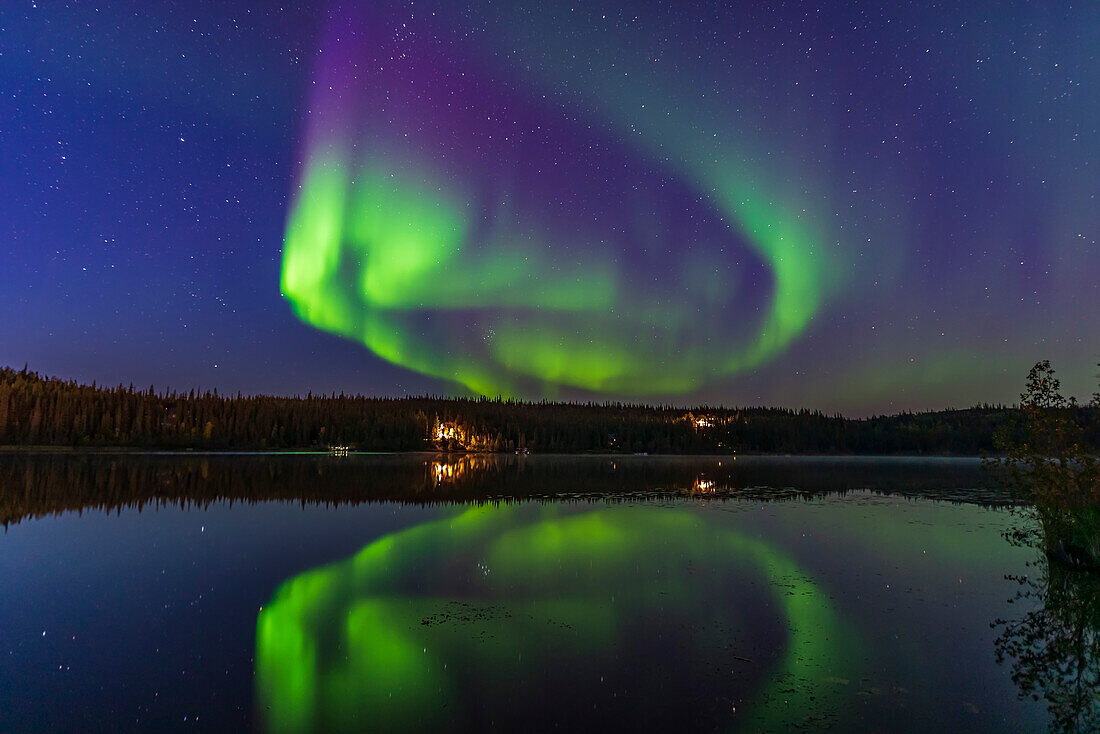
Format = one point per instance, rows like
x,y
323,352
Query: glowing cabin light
x,y
446,432
700,422
451,437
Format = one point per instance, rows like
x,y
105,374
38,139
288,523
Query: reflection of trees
x,y
33,485
1055,648
1049,461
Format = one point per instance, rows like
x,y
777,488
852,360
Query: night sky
x,y
858,207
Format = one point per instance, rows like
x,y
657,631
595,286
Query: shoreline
x,y
149,451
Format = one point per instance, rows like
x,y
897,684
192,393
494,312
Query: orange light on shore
x,y
446,431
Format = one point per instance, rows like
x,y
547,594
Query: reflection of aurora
x,y
433,626
450,223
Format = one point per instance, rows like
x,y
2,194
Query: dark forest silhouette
x,y
38,411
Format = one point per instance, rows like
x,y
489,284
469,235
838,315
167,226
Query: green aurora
x,y
542,592
406,254
457,252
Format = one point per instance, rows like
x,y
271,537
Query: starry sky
x,y
859,207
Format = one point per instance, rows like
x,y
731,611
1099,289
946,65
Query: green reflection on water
x,y
427,627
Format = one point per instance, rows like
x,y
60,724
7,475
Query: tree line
x,y
44,411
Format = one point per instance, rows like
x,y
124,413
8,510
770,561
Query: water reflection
x,y
451,470
37,485
1054,649
533,617
704,486
648,608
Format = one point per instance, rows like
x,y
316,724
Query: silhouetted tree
x,y
1050,461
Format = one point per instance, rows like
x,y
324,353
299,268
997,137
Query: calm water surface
x,y
418,593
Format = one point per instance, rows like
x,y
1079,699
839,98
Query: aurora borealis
x,y
468,250
863,208
498,610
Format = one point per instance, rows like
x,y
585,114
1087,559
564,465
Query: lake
x,y
419,592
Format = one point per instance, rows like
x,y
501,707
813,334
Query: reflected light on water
x,y
404,636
